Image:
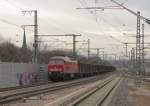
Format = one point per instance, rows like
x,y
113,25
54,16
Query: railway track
x,y
16,94
24,86
98,95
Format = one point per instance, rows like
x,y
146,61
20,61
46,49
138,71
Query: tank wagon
x,y
63,68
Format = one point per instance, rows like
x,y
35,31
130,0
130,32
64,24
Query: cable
x,y
103,32
111,25
84,4
10,23
14,5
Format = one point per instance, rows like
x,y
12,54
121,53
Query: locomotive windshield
x,y
56,62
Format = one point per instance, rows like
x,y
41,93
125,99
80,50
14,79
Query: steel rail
x,y
107,94
84,97
17,94
24,86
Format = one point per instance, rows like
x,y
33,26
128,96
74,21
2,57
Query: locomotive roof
x,y
65,58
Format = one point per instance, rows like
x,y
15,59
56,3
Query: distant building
x,y
24,44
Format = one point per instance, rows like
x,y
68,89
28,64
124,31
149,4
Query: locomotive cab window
x,y
56,62
52,62
59,62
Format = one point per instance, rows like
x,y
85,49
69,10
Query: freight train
x,y
63,68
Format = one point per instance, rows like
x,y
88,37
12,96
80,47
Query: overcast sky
x,y
104,28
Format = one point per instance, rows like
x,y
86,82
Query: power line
x,y
14,5
10,23
105,34
106,22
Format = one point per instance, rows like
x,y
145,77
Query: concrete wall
x,y
42,73
16,74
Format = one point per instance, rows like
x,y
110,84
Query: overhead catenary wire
x,y
18,8
106,34
8,22
103,31
14,5
84,0
11,23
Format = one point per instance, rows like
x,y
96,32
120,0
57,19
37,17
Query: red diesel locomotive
x,y
60,67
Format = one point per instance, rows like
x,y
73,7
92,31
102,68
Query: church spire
x,y
24,44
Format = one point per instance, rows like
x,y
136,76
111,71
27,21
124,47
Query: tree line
x,y
12,53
